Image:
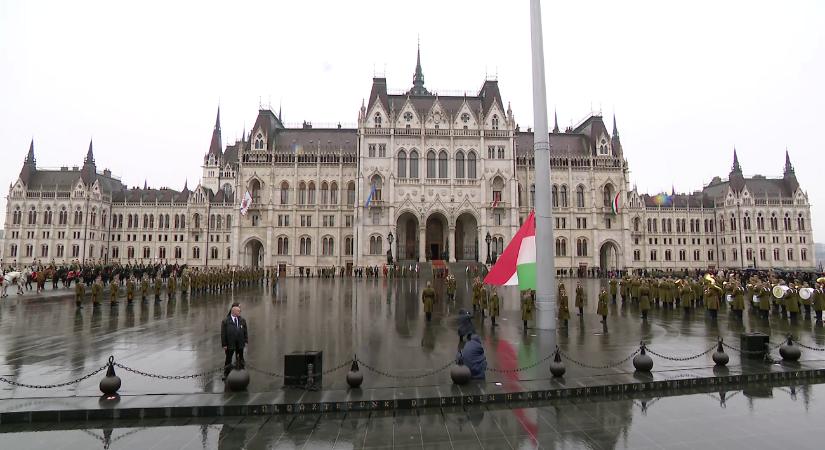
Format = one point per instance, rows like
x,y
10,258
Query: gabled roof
x,y
566,144
315,140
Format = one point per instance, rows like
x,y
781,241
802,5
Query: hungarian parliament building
x,y
423,177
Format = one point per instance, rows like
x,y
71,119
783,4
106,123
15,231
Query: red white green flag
x,y
517,264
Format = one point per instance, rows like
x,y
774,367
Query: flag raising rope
x,y
517,264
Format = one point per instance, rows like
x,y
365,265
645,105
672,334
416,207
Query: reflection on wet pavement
x,y
380,320
758,417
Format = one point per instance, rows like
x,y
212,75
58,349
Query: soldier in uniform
x,y
172,286
792,302
97,291
819,300
580,299
451,287
495,305
484,305
130,290
738,295
601,308
528,305
613,290
476,295
79,293
712,294
144,287
184,284
644,298
156,287
564,308
685,296
428,298
114,288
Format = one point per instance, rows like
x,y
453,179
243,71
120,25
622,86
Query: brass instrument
x,y
709,279
780,290
820,280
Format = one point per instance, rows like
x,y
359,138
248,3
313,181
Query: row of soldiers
x,y
212,280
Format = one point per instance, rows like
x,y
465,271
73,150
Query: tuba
x,y
820,280
780,290
709,279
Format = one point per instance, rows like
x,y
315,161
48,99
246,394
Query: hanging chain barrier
x,y
171,377
57,385
405,377
609,365
521,369
752,352
299,377
685,358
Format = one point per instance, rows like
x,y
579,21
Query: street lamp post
x,y
488,239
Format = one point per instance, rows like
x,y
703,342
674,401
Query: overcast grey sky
x,y
688,81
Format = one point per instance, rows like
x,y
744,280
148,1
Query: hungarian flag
x,y
517,265
615,204
246,202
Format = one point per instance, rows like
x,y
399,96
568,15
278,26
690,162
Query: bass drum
x,y
779,291
806,293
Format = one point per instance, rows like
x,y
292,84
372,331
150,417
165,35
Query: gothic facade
x,y
423,176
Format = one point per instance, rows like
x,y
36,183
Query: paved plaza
x,y
381,321
758,417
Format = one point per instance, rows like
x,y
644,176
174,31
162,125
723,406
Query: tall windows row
x,y
306,194
436,164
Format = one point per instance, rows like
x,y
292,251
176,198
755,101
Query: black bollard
x,y
642,362
720,358
790,351
355,377
110,384
557,368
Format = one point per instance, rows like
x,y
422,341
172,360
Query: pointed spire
x,y
788,165
30,156
186,185
90,157
736,166
555,121
215,144
615,129
145,184
418,78
218,119
672,190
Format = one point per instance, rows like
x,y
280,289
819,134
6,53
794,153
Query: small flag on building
x,y
369,197
517,264
246,203
615,203
495,203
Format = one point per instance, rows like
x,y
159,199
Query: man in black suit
x,y
234,337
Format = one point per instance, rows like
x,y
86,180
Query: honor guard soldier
x,y
644,298
601,308
156,287
564,309
528,304
172,286
184,284
97,291
114,287
614,288
428,298
451,287
819,300
79,293
484,298
580,298
144,287
685,295
495,305
476,294
130,290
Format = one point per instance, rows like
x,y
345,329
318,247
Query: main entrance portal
x,y
406,247
436,237
253,254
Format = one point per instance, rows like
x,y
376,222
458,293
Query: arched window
x,y
377,183
581,247
351,193
608,195
790,254
555,196
32,216
259,141
564,196
284,193
494,121
377,120
151,221
442,164
47,216
431,164
219,222
283,245
177,221
532,195
376,245
471,165
228,221
348,246
196,219
636,224
459,165
196,252
803,254
311,196
800,223
561,247
182,221
333,193
402,164
324,193
305,246
17,216
178,253
497,188
519,195
328,246
63,217
302,193
413,164
255,191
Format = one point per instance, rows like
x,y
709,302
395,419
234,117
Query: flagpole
x,y
545,254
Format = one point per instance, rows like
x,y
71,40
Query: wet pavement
x,y
45,340
762,416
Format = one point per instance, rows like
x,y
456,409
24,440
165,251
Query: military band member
x,y
819,302
806,302
79,293
685,296
144,287
171,287
114,288
601,308
156,288
712,299
792,302
764,295
613,290
130,290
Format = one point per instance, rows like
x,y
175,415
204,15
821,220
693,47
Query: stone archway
x,y
253,253
609,256
466,238
406,239
435,237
